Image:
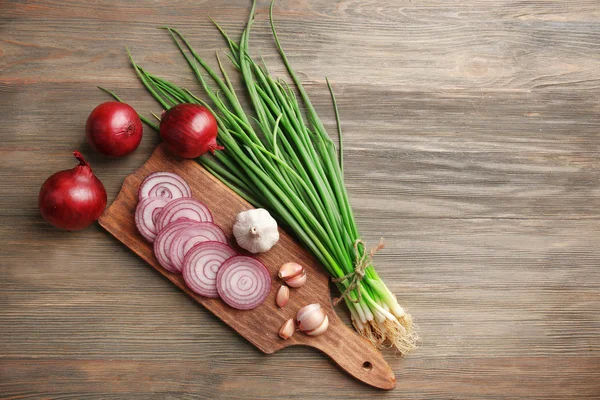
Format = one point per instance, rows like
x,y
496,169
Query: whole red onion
x,y
114,129
74,198
189,130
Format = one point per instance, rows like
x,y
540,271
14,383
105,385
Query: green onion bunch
x,y
280,158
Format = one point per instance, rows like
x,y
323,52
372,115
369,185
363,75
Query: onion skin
x,y
189,130
74,198
114,129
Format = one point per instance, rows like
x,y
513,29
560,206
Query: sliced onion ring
x,y
243,282
146,215
164,184
162,244
201,264
185,207
187,238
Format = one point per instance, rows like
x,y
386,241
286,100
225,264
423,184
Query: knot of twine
x,y
361,262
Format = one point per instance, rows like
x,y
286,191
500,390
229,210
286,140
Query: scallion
x,y
280,158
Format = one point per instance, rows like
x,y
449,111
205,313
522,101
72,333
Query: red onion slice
x,y
164,184
185,207
146,214
162,244
187,238
243,282
201,264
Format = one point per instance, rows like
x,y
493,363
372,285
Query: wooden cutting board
x,y
259,326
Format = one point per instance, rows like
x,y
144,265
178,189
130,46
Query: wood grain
x,y
472,146
259,326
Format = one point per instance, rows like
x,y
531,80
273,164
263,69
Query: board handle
x,y
356,355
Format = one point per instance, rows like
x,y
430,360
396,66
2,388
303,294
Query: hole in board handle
x,y
367,366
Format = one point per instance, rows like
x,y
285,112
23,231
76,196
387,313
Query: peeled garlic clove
x,y
296,281
283,295
290,269
287,329
310,317
320,329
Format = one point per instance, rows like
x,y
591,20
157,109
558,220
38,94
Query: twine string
x,y
361,262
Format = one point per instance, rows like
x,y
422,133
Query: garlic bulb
x,y
255,230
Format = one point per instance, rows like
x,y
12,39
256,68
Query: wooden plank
x,y
482,378
454,168
471,145
542,300
480,44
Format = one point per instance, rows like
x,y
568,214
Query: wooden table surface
x,y
472,143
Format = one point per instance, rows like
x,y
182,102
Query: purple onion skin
x,y
189,130
74,198
114,129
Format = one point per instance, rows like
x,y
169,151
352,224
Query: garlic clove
x,y
290,269
283,296
320,329
310,317
296,281
287,329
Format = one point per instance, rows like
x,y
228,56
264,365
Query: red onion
x,y
243,282
146,214
114,129
164,184
185,207
74,198
189,130
187,238
162,244
201,264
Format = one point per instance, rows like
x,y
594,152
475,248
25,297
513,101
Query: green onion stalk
x,y
281,158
